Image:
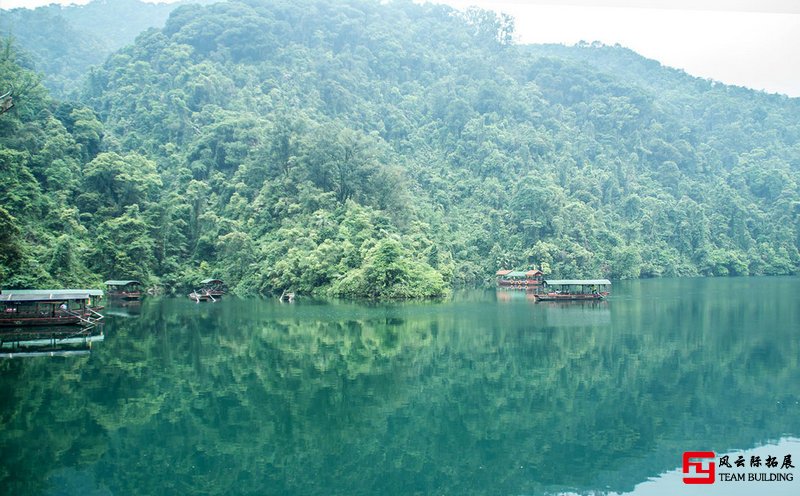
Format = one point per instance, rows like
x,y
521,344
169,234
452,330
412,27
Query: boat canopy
x,y
122,283
43,296
211,281
577,282
60,292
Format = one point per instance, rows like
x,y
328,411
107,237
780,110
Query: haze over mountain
x,y
357,148
64,41
746,43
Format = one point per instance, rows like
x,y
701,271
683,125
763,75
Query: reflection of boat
x,y
574,290
124,289
507,294
51,353
125,308
23,308
578,313
135,305
49,341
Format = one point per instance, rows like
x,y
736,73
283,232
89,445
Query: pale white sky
x,y
750,43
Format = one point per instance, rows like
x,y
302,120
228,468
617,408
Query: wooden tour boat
x,y
124,289
531,279
214,287
211,290
199,295
50,307
574,290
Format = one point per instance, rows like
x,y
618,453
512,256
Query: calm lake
x,y
486,393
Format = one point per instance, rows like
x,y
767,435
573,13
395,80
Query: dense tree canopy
x,y
360,148
64,41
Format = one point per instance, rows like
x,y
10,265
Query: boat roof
x,y
121,282
16,296
518,273
577,282
209,281
60,292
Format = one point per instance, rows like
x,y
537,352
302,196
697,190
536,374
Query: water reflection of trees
x,y
248,398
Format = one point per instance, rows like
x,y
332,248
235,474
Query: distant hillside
x,y
64,41
389,149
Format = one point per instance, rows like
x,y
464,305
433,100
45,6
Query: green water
x,y
487,393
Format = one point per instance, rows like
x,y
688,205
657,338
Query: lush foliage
x,y
64,42
384,150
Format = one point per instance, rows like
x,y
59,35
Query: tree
x,y
340,160
389,272
124,247
122,181
11,248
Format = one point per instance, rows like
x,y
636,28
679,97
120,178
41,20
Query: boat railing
x,y
87,320
201,293
97,316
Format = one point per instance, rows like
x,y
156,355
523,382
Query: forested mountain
x,y
359,148
63,42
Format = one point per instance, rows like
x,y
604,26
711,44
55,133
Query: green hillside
x,y
365,149
64,42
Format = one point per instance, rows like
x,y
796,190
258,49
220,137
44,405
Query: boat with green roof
x,y
574,290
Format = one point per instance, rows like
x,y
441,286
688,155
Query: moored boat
x,y
213,287
574,290
211,290
199,295
124,289
45,307
530,279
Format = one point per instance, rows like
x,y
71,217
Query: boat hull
x,y
39,321
528,283
198,297
570,297
126,296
